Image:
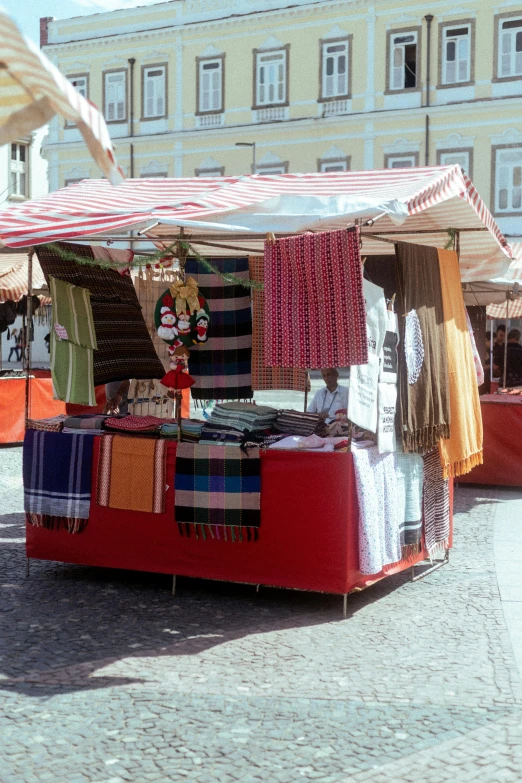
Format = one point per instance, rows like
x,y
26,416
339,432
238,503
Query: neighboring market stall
x,y
251,511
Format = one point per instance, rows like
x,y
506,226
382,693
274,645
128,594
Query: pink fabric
x,y
315,315
134,423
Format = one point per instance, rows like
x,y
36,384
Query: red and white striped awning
x,y
414,205
13,276
32,91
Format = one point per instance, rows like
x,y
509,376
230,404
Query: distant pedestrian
x,y
16,345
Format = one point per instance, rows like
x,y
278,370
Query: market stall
x,y
237,505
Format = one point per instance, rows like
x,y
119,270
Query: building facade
x,y
23,171
317,86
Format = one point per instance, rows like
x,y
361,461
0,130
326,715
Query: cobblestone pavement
x,y
105,678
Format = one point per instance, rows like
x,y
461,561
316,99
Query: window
x,y
217,172
157,174
81,82
334,164
462,158
508,180
510,48
154,91
210,84
19,170
401,161
403,60
456,54
115,96
334,69
68,182
270,169
271,77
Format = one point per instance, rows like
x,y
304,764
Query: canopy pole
x,y
505,340
491,351
27,339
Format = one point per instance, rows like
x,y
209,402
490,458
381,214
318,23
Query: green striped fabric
x,y
72,355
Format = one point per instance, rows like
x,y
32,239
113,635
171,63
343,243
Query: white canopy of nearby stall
x,y
33,91
417,205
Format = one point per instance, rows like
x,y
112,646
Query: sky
x,y
27,13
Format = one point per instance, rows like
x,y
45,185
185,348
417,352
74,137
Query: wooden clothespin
x,y
270,236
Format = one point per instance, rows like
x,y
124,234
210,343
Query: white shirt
x,y
328,402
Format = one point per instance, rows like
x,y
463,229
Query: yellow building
x,y
320,85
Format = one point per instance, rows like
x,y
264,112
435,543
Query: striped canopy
x,y
13,276
415,205
32,91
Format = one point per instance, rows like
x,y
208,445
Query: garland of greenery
x,y
157,260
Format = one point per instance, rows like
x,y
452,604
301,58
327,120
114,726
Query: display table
x,y
12,404
308,537
502,421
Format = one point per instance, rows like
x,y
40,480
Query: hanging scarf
x,y
424,383
463,449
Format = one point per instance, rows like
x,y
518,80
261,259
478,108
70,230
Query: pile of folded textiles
x,y
54,424
85,424
190,429
296,423
243,416
134,425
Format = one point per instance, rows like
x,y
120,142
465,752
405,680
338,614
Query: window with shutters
x,y
403,61
509,48
154,91
115,95
81,82
462,158
19,170
210,85
456,54
406,161
335,69
508,180
271,77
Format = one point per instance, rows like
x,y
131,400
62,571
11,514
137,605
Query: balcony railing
x,y
210,120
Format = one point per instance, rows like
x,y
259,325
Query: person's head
x,y
514,336
330,377
500,335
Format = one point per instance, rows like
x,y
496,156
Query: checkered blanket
x,y
57,471
222,366
218,491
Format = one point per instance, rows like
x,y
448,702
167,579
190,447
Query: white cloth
x,y
413,346
362,403
379,534
328,402
375,316
388,372
409,471
308,443
386,425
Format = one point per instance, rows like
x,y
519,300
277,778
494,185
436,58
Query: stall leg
x,y
345,606
258,588
174,584
435,567
27,567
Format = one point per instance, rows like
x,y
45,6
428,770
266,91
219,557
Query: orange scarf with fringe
x,y
463,449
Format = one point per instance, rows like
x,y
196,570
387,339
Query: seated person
x,y
117,397
330,399
514,359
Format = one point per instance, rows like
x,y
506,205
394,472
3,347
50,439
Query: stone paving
x,y
106,678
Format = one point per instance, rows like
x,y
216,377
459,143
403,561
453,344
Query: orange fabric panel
x,y
132,487
12,405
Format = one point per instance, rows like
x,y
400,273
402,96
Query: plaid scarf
x,y
218,491
125,348
222,367
86,421
264,377
424,382
57,479
315,315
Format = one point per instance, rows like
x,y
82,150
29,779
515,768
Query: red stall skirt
x,y
12,404
502,421
308,537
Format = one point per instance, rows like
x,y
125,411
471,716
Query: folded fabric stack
x,y
135,425
190,430
220,434
244,416
296,423
85,424
54,424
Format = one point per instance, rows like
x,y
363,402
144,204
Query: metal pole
x,y
491,351
429,20
505,341
27,347
253,157
307,381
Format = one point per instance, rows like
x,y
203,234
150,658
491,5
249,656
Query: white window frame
x,y
211,97
407,159
19,170
80,82
398,41
333,51
452,36
115,115
271,77
509,29
215,172
154,77
508,174
272,169
327,165
451,157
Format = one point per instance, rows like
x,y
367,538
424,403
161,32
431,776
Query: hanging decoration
x,y
182,315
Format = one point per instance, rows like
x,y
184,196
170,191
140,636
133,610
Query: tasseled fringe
x,y
411,550
219,532
463,466
72,525
438,552
425,439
